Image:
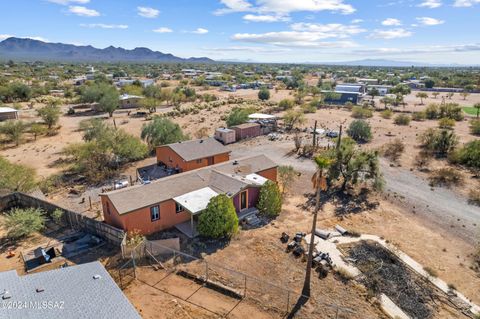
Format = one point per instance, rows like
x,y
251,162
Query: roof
x,y
245,125
72,291
196,201
128,96
7,110
260,116
133,198
195,149
224,130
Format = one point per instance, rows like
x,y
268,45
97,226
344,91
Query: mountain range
x,y
35,50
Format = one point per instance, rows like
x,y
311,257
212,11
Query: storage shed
x,y
225,135
7,113
247,130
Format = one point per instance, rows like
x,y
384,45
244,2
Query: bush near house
x,y
359,112
270,201
219,218
23,222
360,131
16,177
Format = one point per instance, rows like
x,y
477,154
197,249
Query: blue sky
x,y
433,31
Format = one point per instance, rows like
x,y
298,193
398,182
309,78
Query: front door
x,y
243,200
210,161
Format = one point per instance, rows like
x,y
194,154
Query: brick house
x,y
177,200
190,155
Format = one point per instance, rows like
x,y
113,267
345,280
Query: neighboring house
x,y
351,87
225,135
8,113
247,130
81,291
177,200
341,97
130,101
145,83
190,155
382,89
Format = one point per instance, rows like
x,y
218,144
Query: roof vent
x,y
201,141
96,277
235,162
39,289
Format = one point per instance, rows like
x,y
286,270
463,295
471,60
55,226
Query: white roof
x,y
7,110
260,116
196,201
127,96
257,179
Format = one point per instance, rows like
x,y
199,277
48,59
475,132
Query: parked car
x,y
332,134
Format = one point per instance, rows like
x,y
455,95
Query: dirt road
x,y
440,206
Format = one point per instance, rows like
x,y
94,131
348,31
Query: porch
x,y
188,228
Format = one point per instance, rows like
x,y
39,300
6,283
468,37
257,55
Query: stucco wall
x,y
271,174
252,198
167,156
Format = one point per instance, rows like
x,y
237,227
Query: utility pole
x,y
315,136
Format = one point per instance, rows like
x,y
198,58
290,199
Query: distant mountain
x,y
387,63
34,50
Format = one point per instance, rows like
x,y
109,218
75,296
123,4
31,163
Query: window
x,y
178,208
155,213
199,161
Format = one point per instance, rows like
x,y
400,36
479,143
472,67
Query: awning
x,y
196,202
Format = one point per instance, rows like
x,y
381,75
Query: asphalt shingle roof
x,y
70,292
140,196
196,149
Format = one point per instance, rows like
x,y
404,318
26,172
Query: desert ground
x,y
435,226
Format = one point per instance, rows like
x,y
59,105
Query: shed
x,y
7,113
247,130
225,135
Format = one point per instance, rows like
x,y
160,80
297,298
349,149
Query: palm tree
x,y
319,182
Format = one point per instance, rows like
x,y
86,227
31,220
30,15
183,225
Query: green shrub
x,y
468,155
23,222
431,111
219,218
16,177
446,123
238,116
452,111
359,112
264,94
438,142
270,199
309,108
475,127
360,131
162,131
386,114
286,104
402,119
57,216
446,177
419,116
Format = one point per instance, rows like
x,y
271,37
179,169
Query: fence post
x,y
288,301
245,287
206,271
133,260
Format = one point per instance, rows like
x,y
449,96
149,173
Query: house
x,y
85,291
225,135
8,113
177,200
128,101
342,97
190,155
143,83
382,89
247,130
351,87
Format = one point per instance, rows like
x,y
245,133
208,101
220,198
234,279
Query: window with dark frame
x,y
155,213
199,161
178,208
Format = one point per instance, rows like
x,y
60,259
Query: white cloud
x,y
265,18
429,21
67,2
83,11
284,7
356,21
391,34
163,30
104,26
147,12
391,22
308,35
248,49
200,31
432,4
465,3
5,36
